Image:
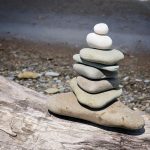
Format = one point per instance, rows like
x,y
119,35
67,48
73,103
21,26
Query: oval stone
x,y
97,86
101,28
94,100
78,59
110,57
93,73
99,41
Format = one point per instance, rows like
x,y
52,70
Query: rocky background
x,y
52,71
42,38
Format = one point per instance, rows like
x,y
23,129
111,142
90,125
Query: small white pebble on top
x,y
101,28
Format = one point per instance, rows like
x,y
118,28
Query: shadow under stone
x,y
112,129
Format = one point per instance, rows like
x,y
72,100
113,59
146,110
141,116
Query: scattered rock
x,y
67,77
126,78
55,79
51,73
58,81
146,81
28,75
138,80
148,110
52,90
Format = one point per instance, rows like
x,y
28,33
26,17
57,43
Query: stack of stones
x,y
96,89
98,67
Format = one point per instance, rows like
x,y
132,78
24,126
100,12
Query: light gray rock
x,y
99,41
94,100
51,73
93,73
115,115
97,86
78,59
101,28
110,57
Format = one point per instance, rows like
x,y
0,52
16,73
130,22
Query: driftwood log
x,y
25,123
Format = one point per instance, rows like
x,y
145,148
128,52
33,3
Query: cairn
x,y
97,66
96,89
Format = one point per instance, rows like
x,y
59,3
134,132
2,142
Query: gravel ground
x,y
18,55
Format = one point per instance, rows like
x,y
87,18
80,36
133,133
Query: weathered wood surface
x,y
26,124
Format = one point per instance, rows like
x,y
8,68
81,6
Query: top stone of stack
x,y
99,40
101,29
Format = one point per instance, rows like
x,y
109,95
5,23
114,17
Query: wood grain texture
x,y
26,124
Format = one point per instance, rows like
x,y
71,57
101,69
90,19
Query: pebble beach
x,y
54,70
39,39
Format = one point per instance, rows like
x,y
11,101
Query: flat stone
x,y
115,115
97,86
52,90
51,73
78,59
93,73
99,41
94,100
28,75
101,28
110,57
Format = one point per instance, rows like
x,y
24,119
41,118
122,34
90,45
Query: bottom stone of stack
x,y
115,115
94,100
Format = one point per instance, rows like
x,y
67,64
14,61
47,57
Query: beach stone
x,y
97,86
78,59
99,41
51,73
110,57
115,115
101,28
94,100
93,73
28,75
52,90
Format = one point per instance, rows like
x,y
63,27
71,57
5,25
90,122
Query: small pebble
x,y
52,90
28,75
138,80
53,74
126,78
146,81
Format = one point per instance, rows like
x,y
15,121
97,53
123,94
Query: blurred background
x,y
41,36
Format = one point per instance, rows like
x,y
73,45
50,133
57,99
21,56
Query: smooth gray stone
x,y
93,73
94,100
78,59
110,57
97,86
